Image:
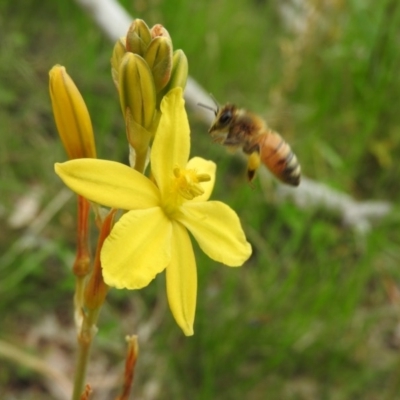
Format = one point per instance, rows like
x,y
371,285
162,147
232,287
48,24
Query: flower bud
x,y
159,58
179,73
159,31
138,37
180,70
136,89
71,115
118,52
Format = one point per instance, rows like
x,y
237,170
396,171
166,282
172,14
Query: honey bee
x,y
237,128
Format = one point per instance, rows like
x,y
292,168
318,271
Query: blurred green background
x,y
315,313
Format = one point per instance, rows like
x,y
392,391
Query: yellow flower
x,y
153,234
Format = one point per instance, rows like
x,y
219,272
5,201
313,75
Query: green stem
x,y
85,339
78,300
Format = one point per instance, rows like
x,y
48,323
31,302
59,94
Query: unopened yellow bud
x,y
136,89
71,115
159,58
118,52
138,37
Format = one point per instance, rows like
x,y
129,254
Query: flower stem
x,y
85,339
78,301
88,301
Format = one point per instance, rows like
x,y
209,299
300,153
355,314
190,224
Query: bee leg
x,y
253,164
254,160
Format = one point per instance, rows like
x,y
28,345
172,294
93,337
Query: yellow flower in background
x,y
71,115
153,234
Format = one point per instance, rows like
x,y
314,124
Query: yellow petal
x,y
138,248
109,183
202,166
217,229
71,115
182,280
172,141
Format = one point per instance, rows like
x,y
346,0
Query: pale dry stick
x,y
357,214
114,21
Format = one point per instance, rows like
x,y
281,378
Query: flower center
x,y
186,185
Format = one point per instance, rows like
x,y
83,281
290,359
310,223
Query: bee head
x,y
223,116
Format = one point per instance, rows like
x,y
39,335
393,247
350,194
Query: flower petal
x,y
109,183
217,229
138,248
182,280
203,166
171,144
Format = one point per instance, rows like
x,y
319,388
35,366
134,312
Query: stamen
x,y
187,182
203,177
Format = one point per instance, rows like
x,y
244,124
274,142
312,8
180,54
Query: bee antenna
x,y
214,110
214,100
208,107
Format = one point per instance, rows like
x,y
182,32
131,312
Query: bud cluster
x,y
145,68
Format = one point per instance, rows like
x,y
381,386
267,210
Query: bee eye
x,y
225,117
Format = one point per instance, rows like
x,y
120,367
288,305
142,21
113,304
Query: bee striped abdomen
x,y
279,158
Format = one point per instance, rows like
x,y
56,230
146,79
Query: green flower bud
x,y
136,89
179,73
138,37
180,70
118,52
159,58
